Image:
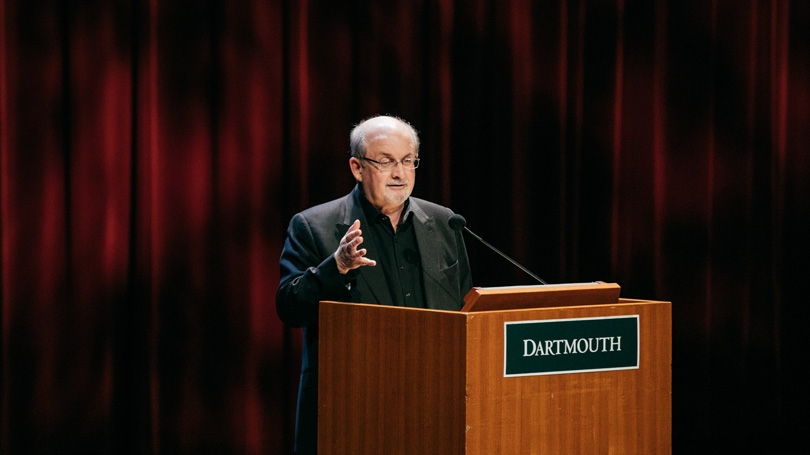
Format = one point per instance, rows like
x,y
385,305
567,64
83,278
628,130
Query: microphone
x,y
457,223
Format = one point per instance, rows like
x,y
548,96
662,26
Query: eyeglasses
x,y
386,164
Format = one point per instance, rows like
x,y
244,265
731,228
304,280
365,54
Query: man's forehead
x,y
388,137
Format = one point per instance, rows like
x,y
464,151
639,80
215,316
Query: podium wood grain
x,y
621,412
407,381
391,380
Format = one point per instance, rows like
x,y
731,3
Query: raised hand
x,y
349,255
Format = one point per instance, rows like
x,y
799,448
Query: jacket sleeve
x,y
309,274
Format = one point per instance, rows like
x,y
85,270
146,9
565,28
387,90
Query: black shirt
x,y
398,254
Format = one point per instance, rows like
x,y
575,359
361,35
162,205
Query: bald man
x,y
375,245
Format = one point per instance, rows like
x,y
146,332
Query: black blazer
x,y
309,274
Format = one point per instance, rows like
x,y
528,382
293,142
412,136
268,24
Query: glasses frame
x,y
381,166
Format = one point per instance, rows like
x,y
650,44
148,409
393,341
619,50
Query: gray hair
x,y
357,138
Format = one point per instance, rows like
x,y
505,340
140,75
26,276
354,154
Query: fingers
x,y
352,234
349,255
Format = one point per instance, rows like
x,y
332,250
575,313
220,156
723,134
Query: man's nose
x,y
398,169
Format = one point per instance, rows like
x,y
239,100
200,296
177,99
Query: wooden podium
x,y
396,380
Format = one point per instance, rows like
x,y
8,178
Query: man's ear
x,y
356,166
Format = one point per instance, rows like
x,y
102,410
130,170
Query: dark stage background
x,y
153,152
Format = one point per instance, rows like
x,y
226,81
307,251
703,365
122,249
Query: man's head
x,y
384,153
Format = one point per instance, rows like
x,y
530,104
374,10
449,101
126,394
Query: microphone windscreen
x,y
456,222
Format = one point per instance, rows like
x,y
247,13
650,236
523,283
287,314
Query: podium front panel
x,y
391,380
624,411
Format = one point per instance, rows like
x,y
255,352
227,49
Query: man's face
x,y
386,190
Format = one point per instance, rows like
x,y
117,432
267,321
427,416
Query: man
x,y
375,245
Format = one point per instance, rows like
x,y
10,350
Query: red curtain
x,y
153,151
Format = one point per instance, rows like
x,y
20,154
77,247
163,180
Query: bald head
x,y
366,130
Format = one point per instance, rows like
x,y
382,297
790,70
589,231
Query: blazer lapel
x,y
432,245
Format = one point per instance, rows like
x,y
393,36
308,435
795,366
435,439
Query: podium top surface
x,y
540,296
